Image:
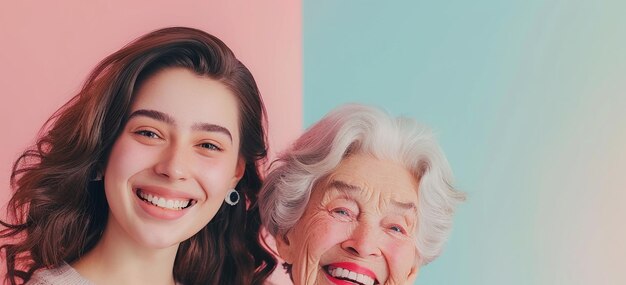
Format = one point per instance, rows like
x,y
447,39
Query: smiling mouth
x,y
169,204
350,276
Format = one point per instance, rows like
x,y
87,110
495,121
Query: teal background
x,y
528,101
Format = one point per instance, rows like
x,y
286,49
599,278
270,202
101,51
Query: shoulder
x,y
63,274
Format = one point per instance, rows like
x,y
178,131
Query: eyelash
x,y
153,135
342,214
210,146
400,229
148,134
345,213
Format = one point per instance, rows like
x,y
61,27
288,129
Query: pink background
x,y
48,49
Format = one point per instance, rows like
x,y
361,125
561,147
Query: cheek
x,y
319,234
126,159
214,175
312,241
400,254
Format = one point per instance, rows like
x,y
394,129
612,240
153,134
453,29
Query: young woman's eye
x,y
148,134
210,146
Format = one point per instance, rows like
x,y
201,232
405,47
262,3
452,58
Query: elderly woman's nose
x,y
364,241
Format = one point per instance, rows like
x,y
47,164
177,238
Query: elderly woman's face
x,y
359,227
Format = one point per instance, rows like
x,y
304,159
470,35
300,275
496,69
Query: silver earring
x,y
232,198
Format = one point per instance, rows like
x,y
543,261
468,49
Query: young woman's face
x,y
175,160
358,228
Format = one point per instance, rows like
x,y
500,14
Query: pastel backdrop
x,y
527,98
48,48
529,102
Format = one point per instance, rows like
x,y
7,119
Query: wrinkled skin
x,y
363,213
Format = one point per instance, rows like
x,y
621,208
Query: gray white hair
x,y
353,129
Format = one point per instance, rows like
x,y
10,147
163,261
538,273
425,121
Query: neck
x,y
118,259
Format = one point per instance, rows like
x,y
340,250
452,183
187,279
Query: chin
x,y
159,239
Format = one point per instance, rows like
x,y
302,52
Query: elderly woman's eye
x,y
342,212
397,229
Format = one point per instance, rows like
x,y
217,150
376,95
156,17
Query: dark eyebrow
x,y
159,116
212,128
340,185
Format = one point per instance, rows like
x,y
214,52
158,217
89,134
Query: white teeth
x,y
163,203
353,276
359,278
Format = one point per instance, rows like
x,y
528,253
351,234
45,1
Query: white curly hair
x,y
353,129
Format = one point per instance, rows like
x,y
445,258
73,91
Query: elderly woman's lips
x,y
351,272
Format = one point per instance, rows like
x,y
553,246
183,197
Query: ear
x,y
240,169
284,247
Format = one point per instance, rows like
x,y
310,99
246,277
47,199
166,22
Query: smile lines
x,y
164,203
345,274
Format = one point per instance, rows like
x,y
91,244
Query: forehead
x,y
189,98
377,177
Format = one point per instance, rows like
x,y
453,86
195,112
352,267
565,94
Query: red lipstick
x,y
355,271
355,268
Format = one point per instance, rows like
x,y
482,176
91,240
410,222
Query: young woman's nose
x,y
364,241
173,164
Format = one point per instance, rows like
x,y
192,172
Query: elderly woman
x,y
360,198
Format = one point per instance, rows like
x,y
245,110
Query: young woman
x,y
148,176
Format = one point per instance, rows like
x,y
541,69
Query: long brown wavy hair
x,y
57,212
